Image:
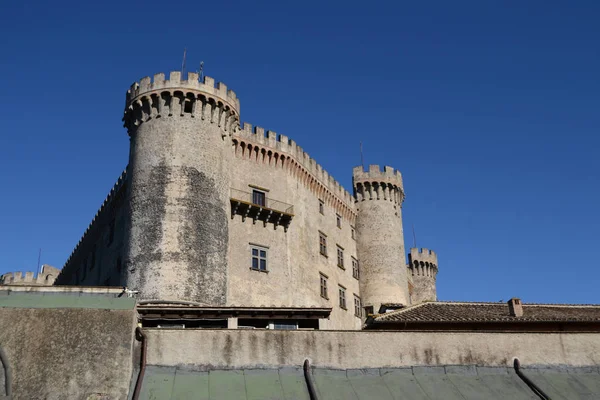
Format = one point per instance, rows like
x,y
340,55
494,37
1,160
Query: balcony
x,y
262,209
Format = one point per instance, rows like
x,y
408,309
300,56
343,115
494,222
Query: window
x,y
338,219
283,326
258,197
259,258
342,291
324,287
352,233
340,257
357,307
111,233
355,269
321,207
323,244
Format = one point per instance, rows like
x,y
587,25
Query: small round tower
x,y
380,238
178,187
423,269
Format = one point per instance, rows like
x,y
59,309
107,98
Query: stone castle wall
x,y
46,277
97,259
423,268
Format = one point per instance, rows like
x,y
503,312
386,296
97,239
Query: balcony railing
x,y
272,211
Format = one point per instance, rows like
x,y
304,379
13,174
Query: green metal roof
x,y
418,383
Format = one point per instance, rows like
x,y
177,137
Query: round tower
x,y
380,241
423,269
179,182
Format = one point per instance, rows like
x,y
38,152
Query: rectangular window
x,y
352,233
324,287
111,233
321,207
259,258
258,197
357,307
323,244
338,219
342,291
340,257
355,269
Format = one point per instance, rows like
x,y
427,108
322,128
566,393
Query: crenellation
x,y
45,277
423,267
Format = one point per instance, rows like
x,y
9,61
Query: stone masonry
x,y
204,197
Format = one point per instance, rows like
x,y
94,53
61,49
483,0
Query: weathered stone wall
x,y
380,236
218,349
423,268
294,259
98,256
180,155
45,277
68,353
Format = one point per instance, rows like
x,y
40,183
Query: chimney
x,y
515,308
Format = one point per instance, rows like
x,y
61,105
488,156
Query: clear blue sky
x,y
491,110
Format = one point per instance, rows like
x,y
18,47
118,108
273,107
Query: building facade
x,y
220,213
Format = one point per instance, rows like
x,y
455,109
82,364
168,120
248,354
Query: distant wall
x,y
45,278
67,353
217,349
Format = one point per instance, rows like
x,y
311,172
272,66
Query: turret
x,y
383,279
179,165
423,268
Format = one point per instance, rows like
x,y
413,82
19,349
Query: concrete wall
x,y
345,350
68,353
294,259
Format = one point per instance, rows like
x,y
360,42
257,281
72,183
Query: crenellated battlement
x,y
45,278
424,255
158,83
160,97
375,184
109,198
250,135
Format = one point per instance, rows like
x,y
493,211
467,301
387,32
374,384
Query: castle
x,y
227,215
226,263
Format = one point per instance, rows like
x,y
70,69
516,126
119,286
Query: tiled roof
x,y
491,312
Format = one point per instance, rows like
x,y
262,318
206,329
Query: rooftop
x,y
432,312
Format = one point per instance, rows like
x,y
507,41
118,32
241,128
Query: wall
x,y
46,277
67,353
346,350
95,259
295,262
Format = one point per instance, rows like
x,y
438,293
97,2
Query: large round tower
x,y
423,268
383,279
179,160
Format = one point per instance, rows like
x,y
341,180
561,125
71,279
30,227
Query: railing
x,y
269,203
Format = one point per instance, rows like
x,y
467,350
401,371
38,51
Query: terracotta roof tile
x,y
491,312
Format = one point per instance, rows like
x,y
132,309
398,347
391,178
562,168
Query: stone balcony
x,y
271,211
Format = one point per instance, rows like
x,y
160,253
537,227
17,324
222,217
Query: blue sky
x,y
489,108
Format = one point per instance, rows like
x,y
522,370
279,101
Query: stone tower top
x,y
375,184
218,93
424,255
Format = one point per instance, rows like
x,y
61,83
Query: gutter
x,y
535,388
138,384
310,383
7,373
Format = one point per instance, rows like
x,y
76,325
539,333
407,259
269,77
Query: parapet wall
x,y
147,86
230,349
283,144
375,184
375,174
45,278
424,255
